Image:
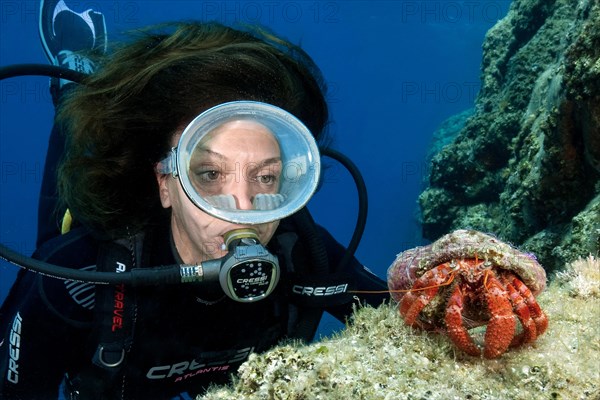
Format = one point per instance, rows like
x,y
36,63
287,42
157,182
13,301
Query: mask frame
x,y
299,152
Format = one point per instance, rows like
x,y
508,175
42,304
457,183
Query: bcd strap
x,y
115,305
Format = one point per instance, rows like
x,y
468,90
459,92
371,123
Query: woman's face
x,y
239,159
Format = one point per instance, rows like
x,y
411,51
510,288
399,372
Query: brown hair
x,y
120,123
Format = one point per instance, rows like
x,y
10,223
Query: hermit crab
x,y
468,279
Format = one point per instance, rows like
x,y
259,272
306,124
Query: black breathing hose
x,y
11,71
363,202
136,277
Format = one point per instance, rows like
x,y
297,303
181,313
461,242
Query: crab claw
x,y
457,332
501,327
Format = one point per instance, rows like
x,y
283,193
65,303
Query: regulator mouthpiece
x,y
248,272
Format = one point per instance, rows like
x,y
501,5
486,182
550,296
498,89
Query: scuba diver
x,y
194,145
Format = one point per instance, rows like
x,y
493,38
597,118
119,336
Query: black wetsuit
x,y
183,337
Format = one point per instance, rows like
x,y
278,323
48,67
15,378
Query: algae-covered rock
x,y
526,165
447,132
379,357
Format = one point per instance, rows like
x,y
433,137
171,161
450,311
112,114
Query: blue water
x,y
396,70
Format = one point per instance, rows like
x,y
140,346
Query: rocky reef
x,y
525,165
379,357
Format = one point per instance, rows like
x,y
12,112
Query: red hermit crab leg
x,y
526,313
424,289
541,320
529,333
455,326
502,324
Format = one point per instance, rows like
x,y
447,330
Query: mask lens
x,y
248,162
238,166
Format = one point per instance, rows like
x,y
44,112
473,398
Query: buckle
x,y
108,358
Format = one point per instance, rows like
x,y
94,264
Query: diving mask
x,y
246,162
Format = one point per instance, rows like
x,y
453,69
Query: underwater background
x,y
395,70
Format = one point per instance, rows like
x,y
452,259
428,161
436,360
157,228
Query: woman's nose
x,y
244,202
242,194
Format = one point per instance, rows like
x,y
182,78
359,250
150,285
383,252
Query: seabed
x,y
379,357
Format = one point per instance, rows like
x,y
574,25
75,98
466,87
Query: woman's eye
x,y
208,176
266,179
